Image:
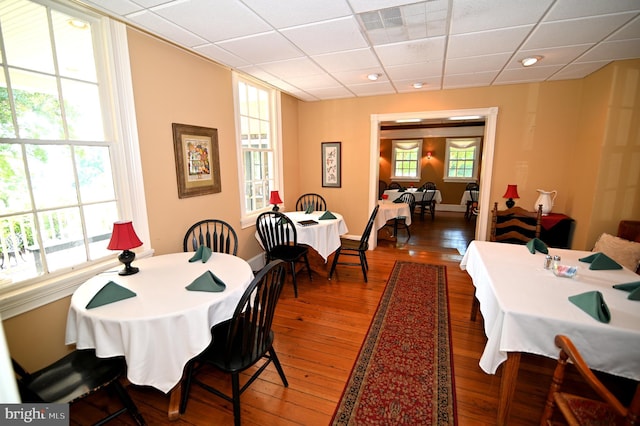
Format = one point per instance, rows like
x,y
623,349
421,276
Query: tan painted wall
x,y
536,144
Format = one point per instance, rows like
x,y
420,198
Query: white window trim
x,y
407,144
31,296
247,220
474,177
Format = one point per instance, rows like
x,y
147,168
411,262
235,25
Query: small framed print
x,y
197,160
331,165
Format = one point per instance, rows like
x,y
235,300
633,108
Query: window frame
x,y
473,142
248,219
395,147
116,91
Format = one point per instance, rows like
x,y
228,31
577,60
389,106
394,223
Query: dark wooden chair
x,y
355,248
579,410
473,189
216,234
427,202
395,185
242,341
315,200
74,377
382,186
515,225
280,240
400,222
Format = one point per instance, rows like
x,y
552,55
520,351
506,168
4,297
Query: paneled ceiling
x,y
325,49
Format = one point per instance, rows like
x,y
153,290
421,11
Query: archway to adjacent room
x,y
490,115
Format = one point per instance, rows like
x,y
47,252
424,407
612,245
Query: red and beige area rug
x,y
404,372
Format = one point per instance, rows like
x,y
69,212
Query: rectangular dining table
x,y
165,325
524,306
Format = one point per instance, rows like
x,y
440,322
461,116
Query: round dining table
x,y
324,235
164,325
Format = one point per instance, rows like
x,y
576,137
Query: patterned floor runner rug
x,y
404,372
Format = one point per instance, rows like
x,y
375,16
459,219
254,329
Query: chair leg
x,y
293,274
334,263
363,264
276,362
128,403
474,308
187,387
235,389
306,261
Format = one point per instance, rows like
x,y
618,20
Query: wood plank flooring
x,y
318,336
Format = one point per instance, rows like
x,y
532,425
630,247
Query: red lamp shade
x,y
511,192
275,198
123,237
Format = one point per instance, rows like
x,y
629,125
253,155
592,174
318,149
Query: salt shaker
x,y
547,262
556,261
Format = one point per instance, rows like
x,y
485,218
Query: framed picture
x,y
331,165
197,160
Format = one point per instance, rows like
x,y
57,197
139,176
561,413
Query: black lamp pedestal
x,y
510,203
275,208
126,257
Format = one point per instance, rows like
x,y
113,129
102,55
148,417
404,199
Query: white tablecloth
x,y
466,196
165,325
323,237
389,210
524,306
419,195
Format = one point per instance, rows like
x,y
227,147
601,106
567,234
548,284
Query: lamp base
x,y
126,257
275,208
510,203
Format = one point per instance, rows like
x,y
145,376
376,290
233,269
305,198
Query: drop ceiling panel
x,y
318,49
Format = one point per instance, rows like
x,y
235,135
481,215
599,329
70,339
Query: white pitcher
x,y
546,198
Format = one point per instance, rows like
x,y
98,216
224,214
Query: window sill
x,y
29,297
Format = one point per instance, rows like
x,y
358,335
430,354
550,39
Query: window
x,y
258,142
62,166
405,159
462,159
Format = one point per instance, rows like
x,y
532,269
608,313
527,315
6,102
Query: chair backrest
x,y
409,198
382,186
364,239
395,185
514,225
250,335
568,351
275,229
472,186
428,186
216,234
316,200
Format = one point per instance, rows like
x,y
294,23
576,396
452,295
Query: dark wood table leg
x,y
174,402
507,387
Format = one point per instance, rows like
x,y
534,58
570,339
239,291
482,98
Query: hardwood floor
x,y
318,336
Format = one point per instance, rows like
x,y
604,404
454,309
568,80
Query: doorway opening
x,y
490,116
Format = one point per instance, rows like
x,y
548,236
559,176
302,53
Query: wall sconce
x,y
275,200
124,238
511,193
428,155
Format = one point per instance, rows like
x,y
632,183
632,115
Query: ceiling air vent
x,y
383,18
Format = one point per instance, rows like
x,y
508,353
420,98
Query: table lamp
x,y
124,238
511,193
275,200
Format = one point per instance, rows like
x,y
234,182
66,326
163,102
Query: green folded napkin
x,y
203,253
401,190
600,261
327,215
398,200
537,244
633,288
592,303
309,209
207,282
111,292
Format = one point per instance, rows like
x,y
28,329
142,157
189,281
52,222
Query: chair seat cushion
x,y
348,244
588,412
288,253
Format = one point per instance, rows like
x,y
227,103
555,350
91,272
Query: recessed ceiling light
x,y
465,117
374,76
409,120
417,85
531,60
